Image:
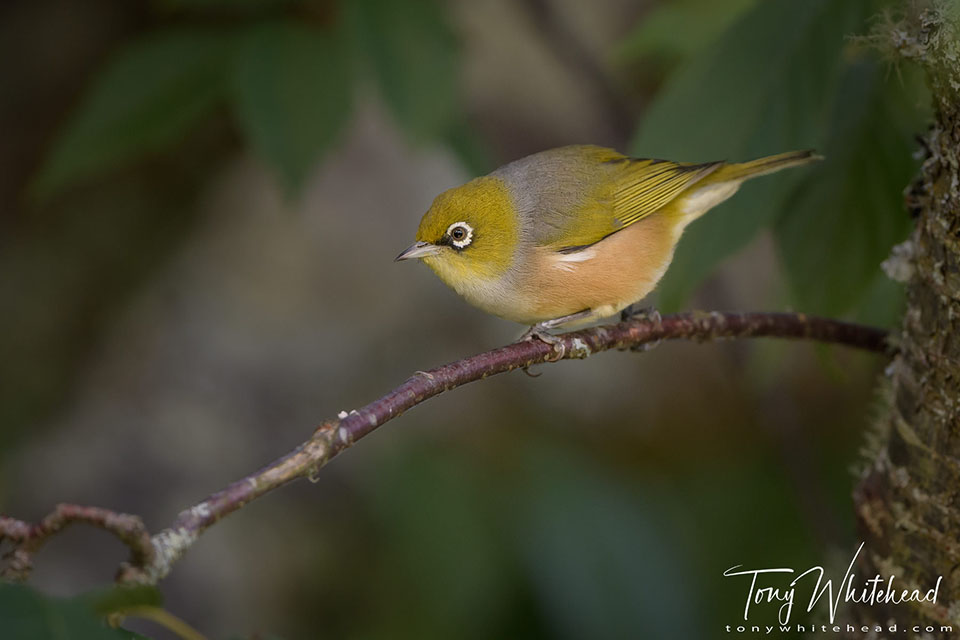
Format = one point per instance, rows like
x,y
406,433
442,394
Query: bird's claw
x,y
636,312
537,332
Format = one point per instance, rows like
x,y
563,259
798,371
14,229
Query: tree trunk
x,y
908,498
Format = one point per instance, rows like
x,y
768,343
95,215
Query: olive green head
x,y
469,234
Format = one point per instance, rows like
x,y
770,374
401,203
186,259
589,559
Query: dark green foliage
x,y
145,100
552,539
27,614
768,85
287,80
682,27
842,220
582,539
412,54
548,540
292,95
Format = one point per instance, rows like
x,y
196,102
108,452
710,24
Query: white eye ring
x,y
463,242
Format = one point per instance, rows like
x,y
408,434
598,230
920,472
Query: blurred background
x,y
200,202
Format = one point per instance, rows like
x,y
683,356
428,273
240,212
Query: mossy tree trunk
x,y
908,499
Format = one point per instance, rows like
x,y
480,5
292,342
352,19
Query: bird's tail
x,y
725,180
763,166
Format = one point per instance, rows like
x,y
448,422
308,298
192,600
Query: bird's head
x,y
470,234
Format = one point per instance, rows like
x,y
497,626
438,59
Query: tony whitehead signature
x,y
876,590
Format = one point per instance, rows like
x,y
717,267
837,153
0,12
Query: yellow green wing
x,y
614,193
578,195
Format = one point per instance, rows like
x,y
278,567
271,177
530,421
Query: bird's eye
x,y
460,234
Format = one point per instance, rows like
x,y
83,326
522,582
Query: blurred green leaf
x,y
681,27
145,100
444,562
720,504
470,148
26,613
413,55
844,218
600,565
292,93
762,88
882,303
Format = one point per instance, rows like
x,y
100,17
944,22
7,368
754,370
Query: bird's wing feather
x,y
648,185
627,191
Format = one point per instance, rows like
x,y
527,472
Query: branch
x,y
335,435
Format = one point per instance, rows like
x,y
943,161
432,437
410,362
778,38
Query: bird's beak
x,y
418,250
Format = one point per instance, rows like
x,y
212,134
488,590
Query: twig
x,y
153,558
28,538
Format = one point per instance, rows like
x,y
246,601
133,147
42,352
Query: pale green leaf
x,y
145,100
292,94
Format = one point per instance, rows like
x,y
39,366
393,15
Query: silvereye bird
x,y
574,234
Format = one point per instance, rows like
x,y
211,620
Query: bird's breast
x,y
606,277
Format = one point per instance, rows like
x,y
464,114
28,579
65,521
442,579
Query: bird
x,y
571,235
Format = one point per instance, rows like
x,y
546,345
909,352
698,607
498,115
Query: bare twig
x,y
153,558
28,538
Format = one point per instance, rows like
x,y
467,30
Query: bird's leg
x,y
539,330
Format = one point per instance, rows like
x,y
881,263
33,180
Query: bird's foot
x,y
637,312
539,332
645,314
